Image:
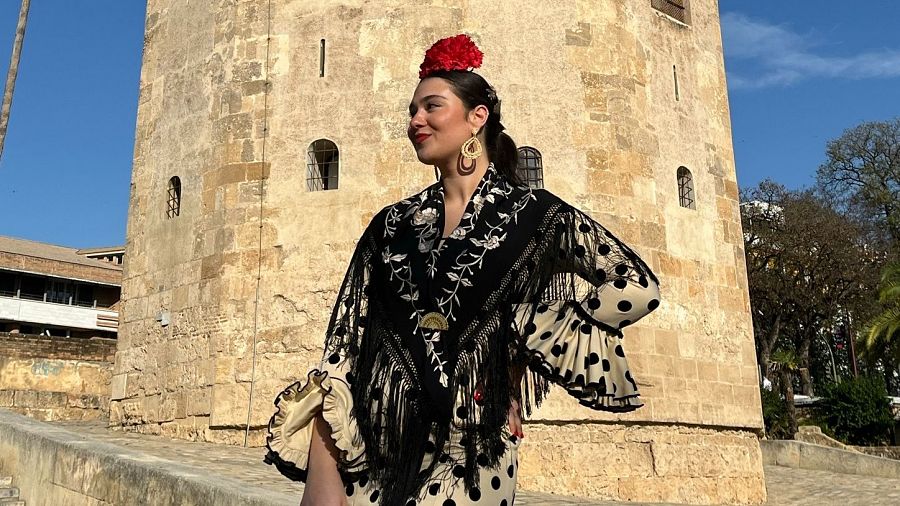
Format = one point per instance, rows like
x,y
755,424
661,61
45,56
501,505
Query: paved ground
x,y
801,487
786,486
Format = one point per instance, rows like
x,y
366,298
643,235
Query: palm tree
x,y
13,71
784,363
882,334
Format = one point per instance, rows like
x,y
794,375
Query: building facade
x,y
58,291
269,132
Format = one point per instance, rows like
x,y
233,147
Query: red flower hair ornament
x,y
451,53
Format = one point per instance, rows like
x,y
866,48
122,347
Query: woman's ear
x,y
478,116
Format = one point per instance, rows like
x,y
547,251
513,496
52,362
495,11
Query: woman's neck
x,y
459,187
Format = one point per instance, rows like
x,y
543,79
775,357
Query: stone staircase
x,y
9,495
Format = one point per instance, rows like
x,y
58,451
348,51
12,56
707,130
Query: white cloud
x,y
785,57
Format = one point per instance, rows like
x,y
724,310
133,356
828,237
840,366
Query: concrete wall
x,y
52,466
230,99
802,455
51,378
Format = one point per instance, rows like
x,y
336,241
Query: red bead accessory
x,y
451,53
479,397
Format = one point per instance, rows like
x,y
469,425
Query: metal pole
x,y
262,186
831,354
851,338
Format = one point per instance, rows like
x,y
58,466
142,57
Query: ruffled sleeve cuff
x,y
291,427
580,354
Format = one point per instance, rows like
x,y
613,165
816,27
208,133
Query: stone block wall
x,y
227,304
53,378
690,465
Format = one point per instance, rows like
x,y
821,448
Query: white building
x,y
59,291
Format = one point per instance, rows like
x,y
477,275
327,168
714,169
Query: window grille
x,y
173,208
531,167
322,160
686,188
676,9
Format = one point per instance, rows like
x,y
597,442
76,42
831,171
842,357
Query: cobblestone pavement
x,y
786,486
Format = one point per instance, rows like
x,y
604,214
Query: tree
x,y
806,264
881,334
761,221
784,365
13,72
862,176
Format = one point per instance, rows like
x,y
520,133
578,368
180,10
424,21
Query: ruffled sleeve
x,y
588,285
325,390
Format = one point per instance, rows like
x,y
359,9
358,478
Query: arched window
x,y
322,159
173,207
686,188
531,167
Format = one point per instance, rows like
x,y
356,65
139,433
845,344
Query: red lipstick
x,y
421,137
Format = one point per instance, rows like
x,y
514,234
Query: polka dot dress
x,y
496,486
571,334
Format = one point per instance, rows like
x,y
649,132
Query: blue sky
x,y
66,166
798,76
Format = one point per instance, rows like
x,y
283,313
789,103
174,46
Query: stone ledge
x,y
888,452
813,457
59,466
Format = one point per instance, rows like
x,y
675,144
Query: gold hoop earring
x,y
471,149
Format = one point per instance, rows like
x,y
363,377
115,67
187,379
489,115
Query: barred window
x,y
322,160
686,188
676,9
531,167
173,207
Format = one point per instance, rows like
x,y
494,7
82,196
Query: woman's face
x,y
439,123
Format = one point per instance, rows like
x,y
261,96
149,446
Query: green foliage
x,y
775,415
882,332
857,411
784,359
813,419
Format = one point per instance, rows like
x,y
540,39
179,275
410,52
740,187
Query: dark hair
x,y
474,90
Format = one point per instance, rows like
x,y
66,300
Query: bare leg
x,y
323,482
514,415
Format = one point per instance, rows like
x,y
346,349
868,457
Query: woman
x,y
450,295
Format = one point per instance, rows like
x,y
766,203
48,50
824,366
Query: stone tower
x,y
229,243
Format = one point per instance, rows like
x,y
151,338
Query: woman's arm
x,y
324,486
588,286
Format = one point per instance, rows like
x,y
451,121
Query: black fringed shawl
x,y
513,246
